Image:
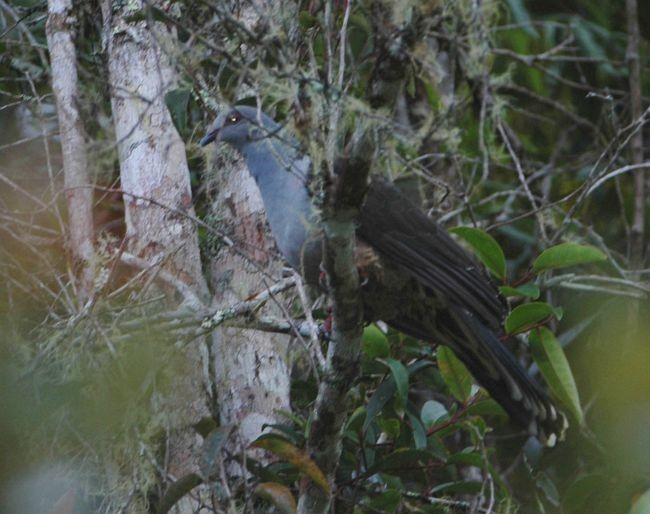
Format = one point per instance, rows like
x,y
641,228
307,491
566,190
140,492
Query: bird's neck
x,y
281,176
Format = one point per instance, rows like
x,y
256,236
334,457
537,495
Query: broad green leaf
x,y
485,247
375,343
401,377
287,451
356,419
176,101
454,373
431,412
279,495
555,368
386,391
567,254
417,428
529,290
381,397
524,317
419,434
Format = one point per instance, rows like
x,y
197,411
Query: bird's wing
x,y
422,249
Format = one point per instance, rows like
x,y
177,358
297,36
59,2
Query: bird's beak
x,y
212,135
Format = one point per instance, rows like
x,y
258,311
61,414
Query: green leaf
x,y
279,495
567,254
485,247
382,395
401,377
524,317
386,391
552,362
287,451
454,373
375,343
529,290
177,101
356,419
431,412
419,434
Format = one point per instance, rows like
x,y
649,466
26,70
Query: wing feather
x,y
423,250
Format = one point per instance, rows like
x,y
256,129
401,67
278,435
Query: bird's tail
x,y
498,371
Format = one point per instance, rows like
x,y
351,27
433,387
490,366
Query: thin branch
x,y
637,243
522,179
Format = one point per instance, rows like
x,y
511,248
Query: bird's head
x,y
240,126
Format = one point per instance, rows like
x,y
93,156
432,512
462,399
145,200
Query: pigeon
x,y
416,278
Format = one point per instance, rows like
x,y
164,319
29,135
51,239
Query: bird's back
x,y
420,281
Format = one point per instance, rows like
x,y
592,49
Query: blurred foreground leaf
x,y
642,505
287,451
279,495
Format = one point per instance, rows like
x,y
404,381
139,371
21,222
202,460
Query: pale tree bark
x,y
251,368
152,154
153,166
60,29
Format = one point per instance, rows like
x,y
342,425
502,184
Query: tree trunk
x,y
252,374
157,196
251,369
153,168
79,195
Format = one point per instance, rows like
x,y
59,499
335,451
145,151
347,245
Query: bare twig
x,y
637,243
524,182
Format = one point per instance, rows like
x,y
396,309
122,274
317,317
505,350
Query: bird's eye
x,y
232,118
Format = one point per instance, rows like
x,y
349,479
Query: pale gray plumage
x,y
416,278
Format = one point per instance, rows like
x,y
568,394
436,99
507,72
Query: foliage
x,y
503,118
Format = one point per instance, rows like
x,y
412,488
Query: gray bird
x,y
416,277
